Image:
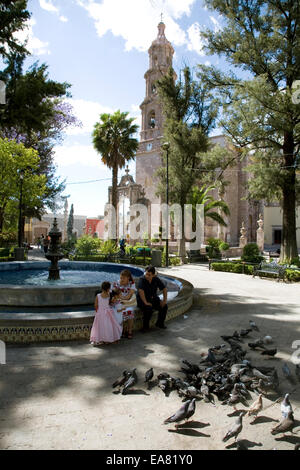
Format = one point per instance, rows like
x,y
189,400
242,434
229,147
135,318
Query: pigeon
x,y
191,408
287,372
287,424
256,407
163,375
235,430
297,371
268,339
131,381
253,325
149,375
286,406
269,352
121,380
180,414
258,343
244,333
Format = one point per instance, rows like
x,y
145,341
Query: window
x,y
152,120
149,147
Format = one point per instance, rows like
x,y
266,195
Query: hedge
x,y
233,267
292,275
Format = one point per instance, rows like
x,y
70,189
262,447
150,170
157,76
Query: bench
x,y
274,268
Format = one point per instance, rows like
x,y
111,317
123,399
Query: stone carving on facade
x,y
260,234
243,237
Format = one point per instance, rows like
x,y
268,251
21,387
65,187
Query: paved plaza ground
x,y
59,395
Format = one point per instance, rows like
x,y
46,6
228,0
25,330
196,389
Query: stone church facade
x,y
148,157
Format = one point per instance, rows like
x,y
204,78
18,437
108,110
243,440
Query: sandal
x,y
129,336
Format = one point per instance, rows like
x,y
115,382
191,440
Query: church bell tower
x,y
148,157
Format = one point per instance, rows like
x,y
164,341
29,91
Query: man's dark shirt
x,y
150,289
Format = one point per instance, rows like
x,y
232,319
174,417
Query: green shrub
x,y
295,262
213,249
86,245
224,246
292,275
251,253
229,267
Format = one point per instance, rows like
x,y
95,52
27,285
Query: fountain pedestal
x,y
54,253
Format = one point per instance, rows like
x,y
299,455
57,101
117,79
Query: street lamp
x,y
166,146
21,176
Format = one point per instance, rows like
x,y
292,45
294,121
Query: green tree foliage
x,y
261,39
113,138
13,17
190,111
14,158
70,224
202,196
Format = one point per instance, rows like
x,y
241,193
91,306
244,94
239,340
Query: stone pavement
x,y
59,395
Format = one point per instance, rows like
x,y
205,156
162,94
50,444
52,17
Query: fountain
x,y
54,254
60,307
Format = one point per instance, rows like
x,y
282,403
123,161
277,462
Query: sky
x,y
101,47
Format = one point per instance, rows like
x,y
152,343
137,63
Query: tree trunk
x,y
289,249
114,197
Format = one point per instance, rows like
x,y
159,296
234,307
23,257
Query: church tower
x,y
148,157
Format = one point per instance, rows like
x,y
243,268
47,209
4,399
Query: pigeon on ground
x,y
286,406
287,372
244,333
121,380
268,339
149,375
235,430
180,414
130,382
191,409
258,343
287,424
256,407
297,371
163,375
253,325
269,352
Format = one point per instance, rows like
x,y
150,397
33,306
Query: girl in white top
x,y
127,286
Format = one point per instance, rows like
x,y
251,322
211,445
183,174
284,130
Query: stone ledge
x,y
66,329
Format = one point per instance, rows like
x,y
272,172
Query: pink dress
x,y
105,326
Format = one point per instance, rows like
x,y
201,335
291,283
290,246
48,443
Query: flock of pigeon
x,y
224,373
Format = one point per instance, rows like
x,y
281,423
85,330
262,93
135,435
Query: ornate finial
x,y
161,17
127,170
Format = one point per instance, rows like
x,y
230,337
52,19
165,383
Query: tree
x,y
190,111
44,117
13,17
113,139
15,157
202,196
260,114
70,225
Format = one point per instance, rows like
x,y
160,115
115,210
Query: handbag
x,y
130,302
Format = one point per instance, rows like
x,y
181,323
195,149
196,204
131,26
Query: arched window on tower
x,y
152,121
153,88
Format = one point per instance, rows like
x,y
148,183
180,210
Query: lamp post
x,y
21,175
166,146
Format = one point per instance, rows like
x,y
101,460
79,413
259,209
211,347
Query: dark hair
x,y
127,273
105,286
113,294
150,269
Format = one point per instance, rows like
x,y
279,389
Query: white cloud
x,y
88,113
137,19
77,154
195,42
48,6
34,44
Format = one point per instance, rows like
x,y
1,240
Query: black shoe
x,y
163,327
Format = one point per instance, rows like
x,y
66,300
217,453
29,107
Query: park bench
x,y
273,268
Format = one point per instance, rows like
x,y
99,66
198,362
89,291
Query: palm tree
x,y
201,196
113,139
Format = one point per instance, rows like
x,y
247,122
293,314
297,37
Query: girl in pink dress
x,y
105,327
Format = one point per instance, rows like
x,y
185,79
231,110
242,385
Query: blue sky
x,y
100,47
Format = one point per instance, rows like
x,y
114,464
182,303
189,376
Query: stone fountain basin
x,y
63,295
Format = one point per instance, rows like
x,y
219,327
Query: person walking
x,y
148,299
